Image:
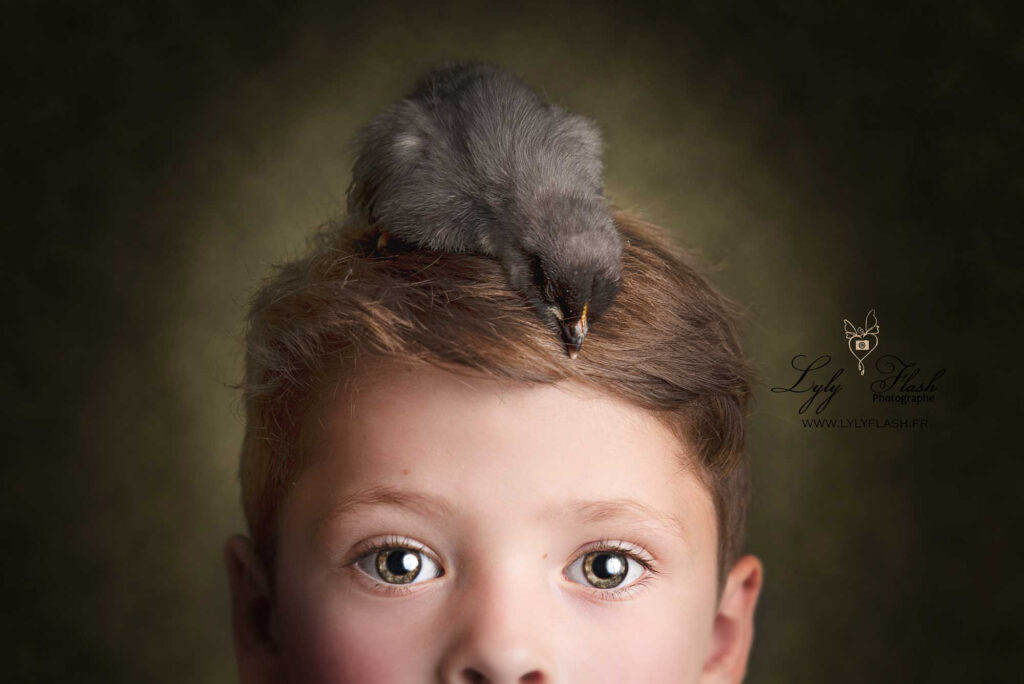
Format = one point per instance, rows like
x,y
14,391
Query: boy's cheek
x,y
325,642
651,650
331,638
662,641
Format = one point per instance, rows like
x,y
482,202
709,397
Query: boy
x,y
437,493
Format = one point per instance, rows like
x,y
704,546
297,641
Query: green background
x,y
821,159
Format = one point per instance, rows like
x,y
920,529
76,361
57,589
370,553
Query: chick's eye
x,y
397,564
605,568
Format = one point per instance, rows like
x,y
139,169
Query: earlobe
x,y
256,646
733,629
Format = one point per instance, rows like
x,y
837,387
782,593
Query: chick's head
x,y
576,276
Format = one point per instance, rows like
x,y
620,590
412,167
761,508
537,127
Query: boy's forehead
x,y
395,402
381,384
467,433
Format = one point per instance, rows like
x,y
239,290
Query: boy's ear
x,y
733,630
257,648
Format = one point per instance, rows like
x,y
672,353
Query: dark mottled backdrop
x,y
824,158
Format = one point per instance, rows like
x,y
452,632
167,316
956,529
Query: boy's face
x,y
515,525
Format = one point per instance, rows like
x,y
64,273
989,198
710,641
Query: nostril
x,y
474,677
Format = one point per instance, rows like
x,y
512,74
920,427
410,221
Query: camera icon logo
x,y
862,341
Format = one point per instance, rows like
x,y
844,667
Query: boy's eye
x,y
609,566
605,569
398,565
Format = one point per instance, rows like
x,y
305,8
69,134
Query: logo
x,y
862,341
902,385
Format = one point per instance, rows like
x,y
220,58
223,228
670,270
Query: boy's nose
x,y
501,665
500,635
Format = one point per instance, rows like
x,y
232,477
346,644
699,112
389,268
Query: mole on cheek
x,y
405,471
544,556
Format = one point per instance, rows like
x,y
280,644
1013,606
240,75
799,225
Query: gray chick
x,y
473,160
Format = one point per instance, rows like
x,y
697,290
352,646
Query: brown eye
x,y
606,568
398,565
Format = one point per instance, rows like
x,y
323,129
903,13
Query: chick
x,y
473,160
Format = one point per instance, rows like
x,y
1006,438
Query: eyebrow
x,y
625,510
427,505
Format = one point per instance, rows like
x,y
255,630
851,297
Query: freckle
x,y
405,471
544,556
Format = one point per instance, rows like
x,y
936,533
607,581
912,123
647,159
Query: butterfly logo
x,y
862,341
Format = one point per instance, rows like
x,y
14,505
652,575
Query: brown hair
x,y
668,343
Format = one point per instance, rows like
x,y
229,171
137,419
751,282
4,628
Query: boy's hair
x,y
668,343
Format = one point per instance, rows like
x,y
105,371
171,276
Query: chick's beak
x,y
574,330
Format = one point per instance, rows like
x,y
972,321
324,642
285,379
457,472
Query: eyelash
x,y
622,594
